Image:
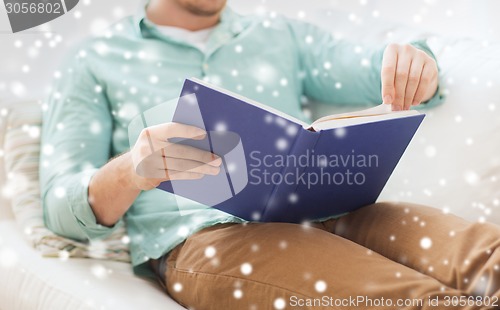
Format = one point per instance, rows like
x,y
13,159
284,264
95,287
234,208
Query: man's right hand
x,y
155,159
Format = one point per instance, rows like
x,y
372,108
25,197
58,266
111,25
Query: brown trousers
x,y
384,256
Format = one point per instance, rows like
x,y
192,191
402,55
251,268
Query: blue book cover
x,y
279,169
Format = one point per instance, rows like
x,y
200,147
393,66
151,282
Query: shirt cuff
x,y
78,187
439,95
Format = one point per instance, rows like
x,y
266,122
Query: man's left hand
x,y
409,76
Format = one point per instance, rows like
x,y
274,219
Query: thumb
x,y
177,130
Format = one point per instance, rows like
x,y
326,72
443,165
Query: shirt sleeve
x,y
342,72
76,137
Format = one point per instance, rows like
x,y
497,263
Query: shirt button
x,y
205,66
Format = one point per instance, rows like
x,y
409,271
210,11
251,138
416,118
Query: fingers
x,y
175,130
156,159
179,164
159,167
174,175
176,150
409,76
185,175
388,73
428,73
155,138
402,73
161,175
416,69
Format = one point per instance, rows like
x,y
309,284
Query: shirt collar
x,y
230,23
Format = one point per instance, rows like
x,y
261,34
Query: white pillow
x,y
453,163
21,152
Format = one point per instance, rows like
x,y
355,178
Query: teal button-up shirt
x,y
133,67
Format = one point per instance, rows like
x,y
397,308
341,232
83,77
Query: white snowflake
x,y
95,127
17,89
210,252
221,126
177,287
215,262
238,293
281,144
430,151
183,231
231,167
426,243
471,177
365,62
280,121
99,271
60,192
320,286
246,269
8,257
125,239
63,255
153,79
279,303
340,132
264,72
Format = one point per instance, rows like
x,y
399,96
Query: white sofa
x,y
453,163
29,280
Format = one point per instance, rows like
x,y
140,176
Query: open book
x,y
279,168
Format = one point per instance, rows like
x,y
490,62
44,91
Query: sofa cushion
x,y
453,163
21,160
28,281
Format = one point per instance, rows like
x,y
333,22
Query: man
x,y
209,259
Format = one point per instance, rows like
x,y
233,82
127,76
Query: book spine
x,y
283,193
